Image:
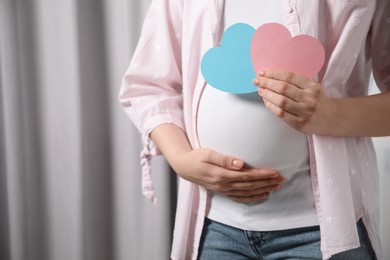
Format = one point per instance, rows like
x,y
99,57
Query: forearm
x,y
171,141
361,116
302,104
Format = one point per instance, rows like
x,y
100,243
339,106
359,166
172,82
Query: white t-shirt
x,y
241,125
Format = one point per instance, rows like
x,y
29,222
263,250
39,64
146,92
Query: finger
x,y
244,193
281,106
247,175
224,161
297,122
282,88
282,102
255,185
227,183
292,78
277,110
302,109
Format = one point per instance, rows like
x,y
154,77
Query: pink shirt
x,y
163,84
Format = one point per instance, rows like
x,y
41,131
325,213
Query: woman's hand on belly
x,y
226,175
216,172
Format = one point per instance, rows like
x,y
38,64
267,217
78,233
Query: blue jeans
x,y
221,242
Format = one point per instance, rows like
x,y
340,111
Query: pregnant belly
x,y
241,126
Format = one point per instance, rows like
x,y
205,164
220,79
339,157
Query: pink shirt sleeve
x,y
151,90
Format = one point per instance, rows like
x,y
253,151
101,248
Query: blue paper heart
x,y
229,67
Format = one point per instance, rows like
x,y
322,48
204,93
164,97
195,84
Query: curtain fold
x,y
70,182
69,157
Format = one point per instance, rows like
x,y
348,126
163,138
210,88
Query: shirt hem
x,y
267,225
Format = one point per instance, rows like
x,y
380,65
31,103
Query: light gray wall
x,y
382,146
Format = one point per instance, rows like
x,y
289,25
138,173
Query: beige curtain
x,y
69,169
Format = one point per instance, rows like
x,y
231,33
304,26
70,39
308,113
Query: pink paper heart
x,y
273,48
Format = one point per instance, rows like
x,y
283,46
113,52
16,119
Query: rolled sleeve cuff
x,y
150,150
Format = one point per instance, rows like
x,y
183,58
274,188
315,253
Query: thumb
x,y
227,162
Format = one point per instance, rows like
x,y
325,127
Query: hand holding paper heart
x,y
297,100
231,67
285,82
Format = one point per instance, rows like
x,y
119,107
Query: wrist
x,y
335,116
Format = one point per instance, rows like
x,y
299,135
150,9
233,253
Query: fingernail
x,y
261,73
256,81
236,163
